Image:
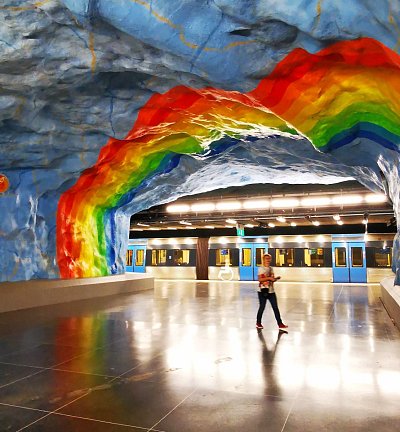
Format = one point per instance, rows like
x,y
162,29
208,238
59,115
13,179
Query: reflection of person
x,y
266,279
268,357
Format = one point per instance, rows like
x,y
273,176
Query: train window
x,y
356,257
246,257
284,257
158,257
259,256
383,257
129,256
181,257
314,257
139,257
223,257
340,257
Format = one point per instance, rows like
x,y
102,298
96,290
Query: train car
x,y
348,258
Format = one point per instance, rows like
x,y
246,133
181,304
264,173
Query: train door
x,y
349,263
136,259
250,259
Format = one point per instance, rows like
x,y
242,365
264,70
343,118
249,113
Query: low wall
x,y
390,295
44,292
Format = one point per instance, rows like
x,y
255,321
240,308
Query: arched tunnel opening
x,y
183,139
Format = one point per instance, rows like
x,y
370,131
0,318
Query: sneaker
x,y
283,326
259,326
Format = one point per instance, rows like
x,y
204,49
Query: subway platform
x,y
187,357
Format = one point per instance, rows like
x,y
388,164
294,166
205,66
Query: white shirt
x,y
267,271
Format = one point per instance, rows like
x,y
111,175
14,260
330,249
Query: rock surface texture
x,y
108,107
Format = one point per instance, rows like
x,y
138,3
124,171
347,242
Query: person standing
x,y
266,279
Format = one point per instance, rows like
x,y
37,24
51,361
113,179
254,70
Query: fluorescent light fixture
x,y
173,241
230,226
279,239
209,226
172,228
336,217
315,201
190,227
154,229
231,221
255,204
228,205
300,239
142,224
321,238
340,222
347,199
271,225
156,242
249,226
200,207
281,219
316,223
285,202
135,229
178,208
293,224
184,223
375,198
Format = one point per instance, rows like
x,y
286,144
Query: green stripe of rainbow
x,y
349,88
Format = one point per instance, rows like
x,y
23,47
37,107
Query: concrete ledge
x,y
391,299
44,292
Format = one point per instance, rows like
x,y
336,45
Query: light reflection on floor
x,y
188,358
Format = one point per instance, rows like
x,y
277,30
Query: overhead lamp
x,y
255,204
271,225
209,226
281,219
154,229
231,221
316,223
135,229
171,228
184,222
285,202
340,222
375,198
293,224
365,220
200,207
347,199
228,205
249,226
315,201
178,208
336,217
230,226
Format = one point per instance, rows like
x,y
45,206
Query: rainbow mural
x,y
349,90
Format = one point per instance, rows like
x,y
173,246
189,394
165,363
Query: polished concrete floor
x,y
187,357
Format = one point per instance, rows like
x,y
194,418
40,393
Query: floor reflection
x,y
187,357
